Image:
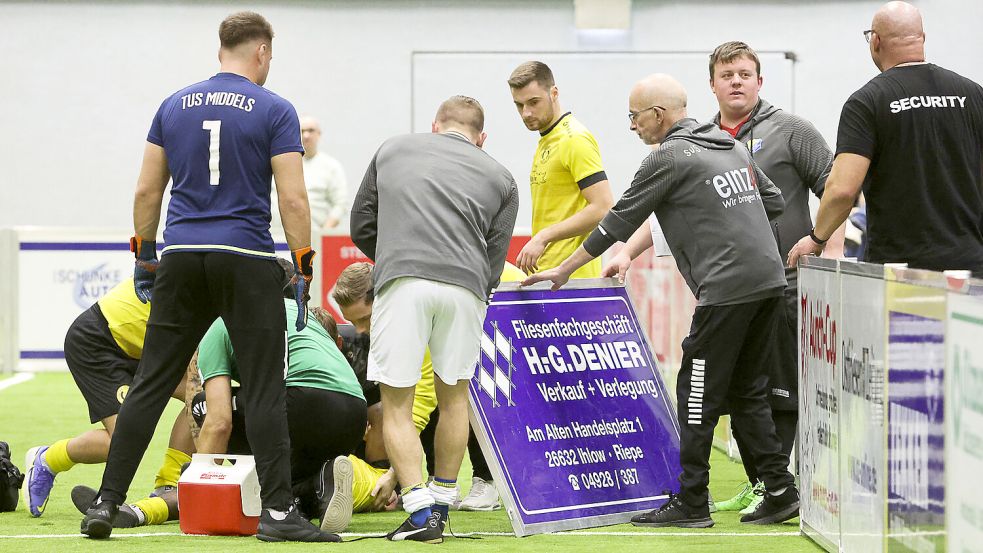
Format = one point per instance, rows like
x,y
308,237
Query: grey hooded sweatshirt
x,y
796,158
714,204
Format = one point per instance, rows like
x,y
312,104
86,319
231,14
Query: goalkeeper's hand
x,y
303,259
145,266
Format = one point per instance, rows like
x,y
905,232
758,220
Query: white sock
x,y
443,495
141,516
419,498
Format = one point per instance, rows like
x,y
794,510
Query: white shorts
x,y
411,313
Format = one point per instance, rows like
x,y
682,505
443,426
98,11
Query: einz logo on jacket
x,y
740,183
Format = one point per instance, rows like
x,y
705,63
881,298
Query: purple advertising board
x,y
570,410
916,492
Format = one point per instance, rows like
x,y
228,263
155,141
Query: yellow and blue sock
x,y
444,493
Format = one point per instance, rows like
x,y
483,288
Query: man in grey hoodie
x,y
797,159
713,204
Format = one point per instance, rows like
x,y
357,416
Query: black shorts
x,y
101,370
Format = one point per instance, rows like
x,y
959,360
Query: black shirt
x,y
922,128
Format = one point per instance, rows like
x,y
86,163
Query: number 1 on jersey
x,y
214,129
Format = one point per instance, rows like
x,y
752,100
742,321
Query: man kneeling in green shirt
x,y
326,413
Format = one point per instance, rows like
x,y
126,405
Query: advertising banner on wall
x,y
964,423
915,410
863,464
819,401
56,282
58,277
570,409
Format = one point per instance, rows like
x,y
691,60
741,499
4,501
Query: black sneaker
x,y
292,528
432,530
334,494
775,508
675,513
98,520
84,496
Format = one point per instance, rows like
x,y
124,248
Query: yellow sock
x,y
364,481
56,457
170,471
154,508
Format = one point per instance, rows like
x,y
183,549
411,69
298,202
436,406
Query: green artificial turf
x,y
49,408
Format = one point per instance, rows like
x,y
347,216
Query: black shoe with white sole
x,y
293,527
675,513
775,509
83,496
98,520
432,530
334,494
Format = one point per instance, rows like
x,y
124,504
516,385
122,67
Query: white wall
x,y
81,82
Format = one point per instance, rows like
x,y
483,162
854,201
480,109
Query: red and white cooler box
x,y
219,500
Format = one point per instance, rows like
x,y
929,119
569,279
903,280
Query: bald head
x,y
660,89
898,20
900,37
656,103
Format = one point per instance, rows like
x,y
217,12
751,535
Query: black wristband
x,y
812,235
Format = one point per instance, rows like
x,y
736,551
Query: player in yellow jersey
x,y
102,349
570,191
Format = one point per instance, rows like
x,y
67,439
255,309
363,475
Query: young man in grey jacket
x,y
713,204
436,214
797,159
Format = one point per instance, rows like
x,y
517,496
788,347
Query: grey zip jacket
x,y
796,158
714,204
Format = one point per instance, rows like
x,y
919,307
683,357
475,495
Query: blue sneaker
x,y
37,488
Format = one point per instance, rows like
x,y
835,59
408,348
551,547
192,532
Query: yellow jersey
x,y
567,161
127,317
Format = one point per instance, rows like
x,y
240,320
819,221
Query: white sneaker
x,y
482,497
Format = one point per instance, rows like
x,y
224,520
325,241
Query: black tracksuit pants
x,y
191,290
783,385
725,360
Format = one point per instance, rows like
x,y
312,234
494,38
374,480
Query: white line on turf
x,y
15,380
641,534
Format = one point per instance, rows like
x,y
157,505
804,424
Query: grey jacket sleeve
x,y
651,184
811,155
500,234
771,195
365,212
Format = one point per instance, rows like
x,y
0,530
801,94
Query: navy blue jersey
x,y
219,136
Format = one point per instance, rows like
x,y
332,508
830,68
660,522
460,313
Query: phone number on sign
x,y
604,479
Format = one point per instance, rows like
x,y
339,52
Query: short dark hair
x,y
242,27
730,51
463,110
532,71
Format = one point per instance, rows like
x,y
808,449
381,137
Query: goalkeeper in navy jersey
x,y
221,141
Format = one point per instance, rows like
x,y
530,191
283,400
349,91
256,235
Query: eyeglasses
x,y
867,34
632,115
